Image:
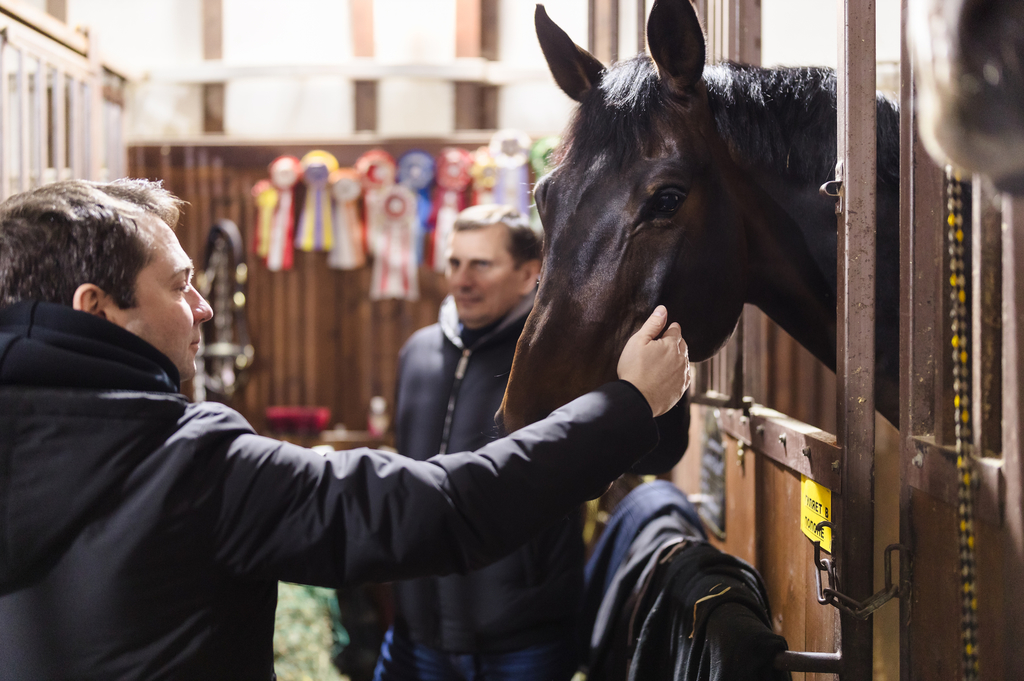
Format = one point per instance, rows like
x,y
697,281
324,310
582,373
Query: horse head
x,y
633,216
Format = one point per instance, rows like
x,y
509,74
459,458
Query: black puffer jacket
x,y
447,397
141,537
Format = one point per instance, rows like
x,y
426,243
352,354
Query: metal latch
x,y
834,188
832,596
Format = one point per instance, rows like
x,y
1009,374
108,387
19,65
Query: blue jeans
x,y
403,660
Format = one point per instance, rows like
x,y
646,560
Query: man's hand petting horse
x,y
658,367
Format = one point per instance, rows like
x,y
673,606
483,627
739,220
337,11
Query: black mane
x,y
618,115
781,119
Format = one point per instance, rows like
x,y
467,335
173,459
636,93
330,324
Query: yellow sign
x,y
815,506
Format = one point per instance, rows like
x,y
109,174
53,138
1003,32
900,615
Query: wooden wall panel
x,y
741,501
782,554
797,384
741,524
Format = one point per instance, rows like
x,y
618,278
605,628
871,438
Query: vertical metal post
x,y
855,340
60,128
920,218
641,26
5,120
1013,417
74,127
39,122
986,311
88,128
94,130
22,132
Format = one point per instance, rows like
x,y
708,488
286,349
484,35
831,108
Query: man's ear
x,y
531,270
92,299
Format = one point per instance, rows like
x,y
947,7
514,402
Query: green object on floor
x,y
303,635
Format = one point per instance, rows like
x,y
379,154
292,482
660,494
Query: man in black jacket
x,y
512,619
142,537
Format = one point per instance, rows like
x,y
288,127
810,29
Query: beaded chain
x,y
962,428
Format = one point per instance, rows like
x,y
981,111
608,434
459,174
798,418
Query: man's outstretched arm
x,y
363,515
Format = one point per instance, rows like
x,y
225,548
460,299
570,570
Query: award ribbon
x,y
348,251
284,175
265,197
394,268
485,176
315,230
510,149
453,179
416,171
377,170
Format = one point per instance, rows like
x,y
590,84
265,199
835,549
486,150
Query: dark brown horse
x,y
696,187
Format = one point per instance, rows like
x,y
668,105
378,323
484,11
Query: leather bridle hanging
x,y
226,352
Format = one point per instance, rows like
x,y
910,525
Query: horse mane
x,y
780,119
784,119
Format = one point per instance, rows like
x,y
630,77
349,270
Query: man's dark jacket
x,y
446,400
142,537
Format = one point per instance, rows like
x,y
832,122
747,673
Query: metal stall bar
x,y
64,129
920,197
88,136
94,126
5,119
1013,417
986,302
74,126
22,131
855,323
39,118
59,150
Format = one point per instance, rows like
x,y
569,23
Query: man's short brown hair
x,y
523,242
59,236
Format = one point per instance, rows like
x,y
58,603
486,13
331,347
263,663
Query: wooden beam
x,y
362,28
58,9
213,29
365,106
467,28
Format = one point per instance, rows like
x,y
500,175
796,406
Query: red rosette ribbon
x,y
377,170
394,267
285,172
453,178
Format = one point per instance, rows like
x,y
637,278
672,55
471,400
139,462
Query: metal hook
x,y
831,188
832,596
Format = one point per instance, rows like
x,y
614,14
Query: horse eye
x,y
667,202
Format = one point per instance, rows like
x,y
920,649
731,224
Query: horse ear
x,y
575,70
677,43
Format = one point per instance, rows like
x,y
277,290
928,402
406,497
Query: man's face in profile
x,y
168,309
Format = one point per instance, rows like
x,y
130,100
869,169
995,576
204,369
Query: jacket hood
x,y
82,403
448,319
48,345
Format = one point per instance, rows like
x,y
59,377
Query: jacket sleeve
x,y
363,515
